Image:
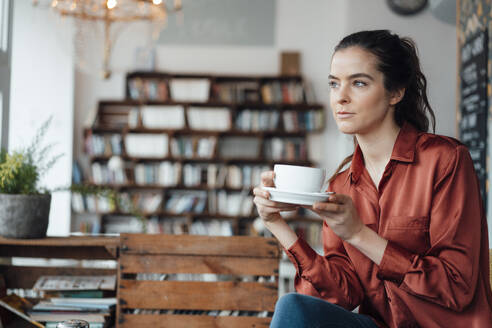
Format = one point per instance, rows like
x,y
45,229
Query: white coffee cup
x,y
299,178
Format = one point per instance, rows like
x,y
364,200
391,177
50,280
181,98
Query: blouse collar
x,y
403,151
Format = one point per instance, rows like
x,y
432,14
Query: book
x,y
190,89
48,283
92,324
76,304
163,117
48,307
209,118
146,145
57,317
113,115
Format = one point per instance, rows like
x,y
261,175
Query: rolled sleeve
x,y
395,263
301,255
330,277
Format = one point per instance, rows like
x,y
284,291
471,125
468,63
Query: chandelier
x,y
111,13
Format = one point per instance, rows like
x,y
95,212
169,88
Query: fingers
x,y
258,191
339,199
267,179
261,201
267,206
265,211
336,203
328,207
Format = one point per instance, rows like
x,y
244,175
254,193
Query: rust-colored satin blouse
x,y
434,271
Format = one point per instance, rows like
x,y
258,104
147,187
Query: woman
x,y
404,235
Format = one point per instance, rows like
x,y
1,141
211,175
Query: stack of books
x,y
150,89
75,297
184,201
282,92
209,118
193,146
146,145
212,228
257,120
103,145
168,225
102,173
164,173
96,311
147,202
230,203
163,117
92,203
295,121
237,92
189,89
289,149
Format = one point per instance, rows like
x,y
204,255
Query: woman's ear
x,y
396,96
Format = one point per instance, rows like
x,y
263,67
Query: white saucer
x,y
298,198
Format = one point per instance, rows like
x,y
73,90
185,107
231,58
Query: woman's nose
x,y
342,95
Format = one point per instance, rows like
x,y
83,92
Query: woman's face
x,y
358,99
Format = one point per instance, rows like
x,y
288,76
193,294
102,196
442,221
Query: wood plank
x,y
63,241
25,276
186,321
76,247
134,263
199,245
63,252
197,295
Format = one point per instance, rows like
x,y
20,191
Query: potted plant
x,y
25,207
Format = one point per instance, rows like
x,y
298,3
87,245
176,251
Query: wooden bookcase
x,y
219,133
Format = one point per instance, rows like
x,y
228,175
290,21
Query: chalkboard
x,y
222,22
474,103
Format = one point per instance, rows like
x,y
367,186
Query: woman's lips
x,y
342,115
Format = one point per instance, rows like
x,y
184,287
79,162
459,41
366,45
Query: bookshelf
x,y
189,148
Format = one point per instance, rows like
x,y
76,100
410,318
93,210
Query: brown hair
x,y
399,62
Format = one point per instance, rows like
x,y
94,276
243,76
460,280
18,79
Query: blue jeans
x,y
297,310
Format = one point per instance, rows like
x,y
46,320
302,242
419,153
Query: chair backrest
x,y
197,281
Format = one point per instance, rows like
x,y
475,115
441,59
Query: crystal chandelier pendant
x,y
105,19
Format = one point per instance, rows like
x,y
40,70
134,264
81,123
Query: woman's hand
x,y
341,216
269,210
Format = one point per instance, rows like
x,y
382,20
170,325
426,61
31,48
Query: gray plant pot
x,y
24,216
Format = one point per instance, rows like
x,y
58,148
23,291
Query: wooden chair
x,y
154,303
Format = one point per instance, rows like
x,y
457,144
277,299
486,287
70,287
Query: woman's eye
x,y
332,84
360,83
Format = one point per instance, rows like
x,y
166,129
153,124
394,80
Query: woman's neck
x,y
376,148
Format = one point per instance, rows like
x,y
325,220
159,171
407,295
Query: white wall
x,y
41,86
